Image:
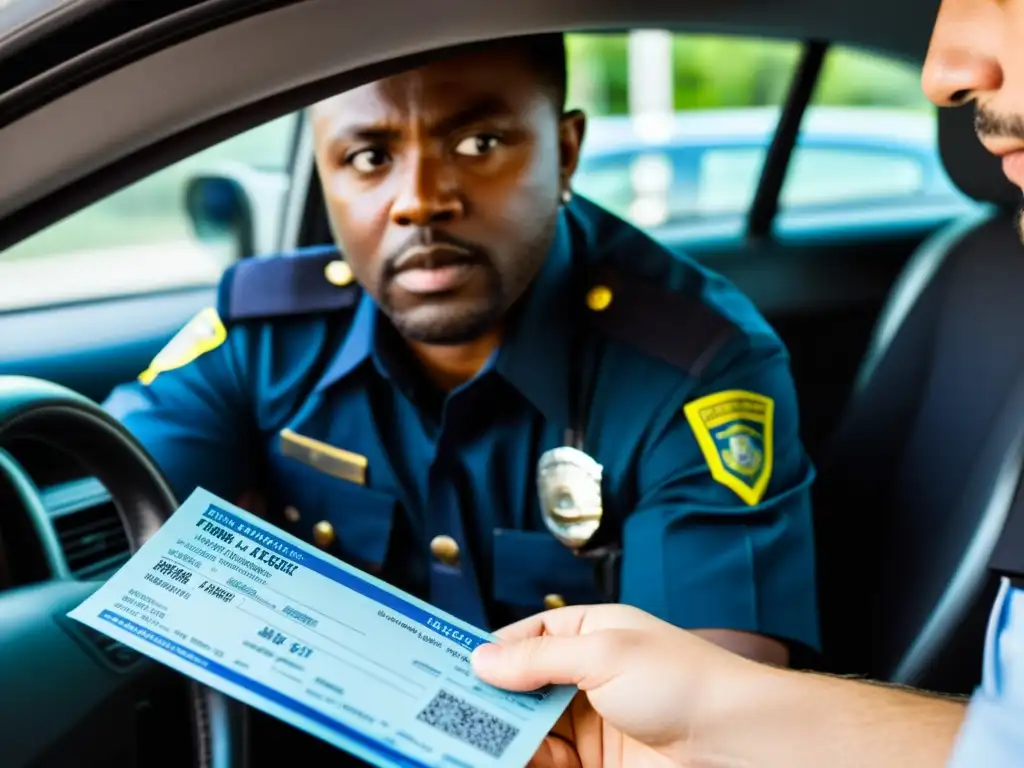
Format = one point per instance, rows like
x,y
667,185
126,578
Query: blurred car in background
x,y
696,174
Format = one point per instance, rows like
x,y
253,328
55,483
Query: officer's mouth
x,y
432,269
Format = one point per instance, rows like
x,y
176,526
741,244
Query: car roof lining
x,y
170,103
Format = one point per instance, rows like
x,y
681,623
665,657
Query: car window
x,y
692,150
140,238
823,175
654,150
816,177
869,136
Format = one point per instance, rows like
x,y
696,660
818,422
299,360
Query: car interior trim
x,y
302,178
916,276
105,36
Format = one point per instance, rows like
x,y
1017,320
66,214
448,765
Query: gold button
x,y
291,514
338,273
323,534
599,297
554,601
445,549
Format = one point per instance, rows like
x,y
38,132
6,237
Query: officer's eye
x,y
367,160
480,144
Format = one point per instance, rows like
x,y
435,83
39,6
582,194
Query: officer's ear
x,y
571,128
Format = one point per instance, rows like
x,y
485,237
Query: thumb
x,y
525,665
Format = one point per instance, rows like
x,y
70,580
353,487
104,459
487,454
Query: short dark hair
x,y
546,54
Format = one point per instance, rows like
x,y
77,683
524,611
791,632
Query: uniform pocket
x,y
362,520
533,571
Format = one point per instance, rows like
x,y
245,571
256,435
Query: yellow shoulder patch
x,y
203,333
734,432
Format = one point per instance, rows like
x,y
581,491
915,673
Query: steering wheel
x,y
53,675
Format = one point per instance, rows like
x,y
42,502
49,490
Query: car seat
x,y
917,481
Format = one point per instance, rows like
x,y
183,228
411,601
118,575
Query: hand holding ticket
x,y
243,607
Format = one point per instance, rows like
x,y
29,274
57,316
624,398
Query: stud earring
x,y
566,196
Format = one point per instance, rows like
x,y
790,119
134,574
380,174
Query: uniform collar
x,y
535,354
357,346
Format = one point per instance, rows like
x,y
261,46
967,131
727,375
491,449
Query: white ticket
x,y
249,610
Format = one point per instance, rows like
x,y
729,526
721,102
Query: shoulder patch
x,y
734,430
306,282
681,330
203,333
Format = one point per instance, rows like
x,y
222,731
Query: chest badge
x,y
569,486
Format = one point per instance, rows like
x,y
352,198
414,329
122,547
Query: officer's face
x,y
443,186
977,54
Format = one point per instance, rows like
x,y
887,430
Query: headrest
x,y
977,173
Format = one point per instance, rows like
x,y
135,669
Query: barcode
x,y
468,724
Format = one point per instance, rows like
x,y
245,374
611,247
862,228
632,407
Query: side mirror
x,y
237,208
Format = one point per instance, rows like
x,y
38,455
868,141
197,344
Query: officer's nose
x,y
428,195
963,56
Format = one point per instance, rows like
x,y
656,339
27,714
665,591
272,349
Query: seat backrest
x,y
920,475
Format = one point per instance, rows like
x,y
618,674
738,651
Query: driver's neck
x,y
450,366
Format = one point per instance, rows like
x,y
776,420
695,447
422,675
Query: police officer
x,y
490,393
655,693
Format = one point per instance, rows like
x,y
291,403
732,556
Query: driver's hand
x,y
645,685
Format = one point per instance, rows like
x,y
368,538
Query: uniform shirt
x,y
298,384
992,735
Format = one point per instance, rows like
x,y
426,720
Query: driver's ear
x,y
571,128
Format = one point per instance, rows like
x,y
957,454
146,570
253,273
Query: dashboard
x,y
55,520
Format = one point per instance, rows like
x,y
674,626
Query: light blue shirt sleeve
x,y
993,732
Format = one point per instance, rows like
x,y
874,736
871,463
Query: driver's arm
x,y
785,719
190,409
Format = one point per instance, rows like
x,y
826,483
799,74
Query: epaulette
x,y
678,328
644,295
310,281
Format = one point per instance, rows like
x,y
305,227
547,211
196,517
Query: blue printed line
x,y
260,690
344,578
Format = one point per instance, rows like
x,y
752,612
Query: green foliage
x,y
712,71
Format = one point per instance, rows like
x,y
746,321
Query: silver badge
x,y
569,485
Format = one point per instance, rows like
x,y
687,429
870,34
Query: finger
x,y
525,665
563,728
555,752
560,621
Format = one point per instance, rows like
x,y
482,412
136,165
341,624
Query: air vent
x,y
93,540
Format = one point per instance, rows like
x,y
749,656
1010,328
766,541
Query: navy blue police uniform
x,y
298,386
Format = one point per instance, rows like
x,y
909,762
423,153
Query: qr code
x,y
469,724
